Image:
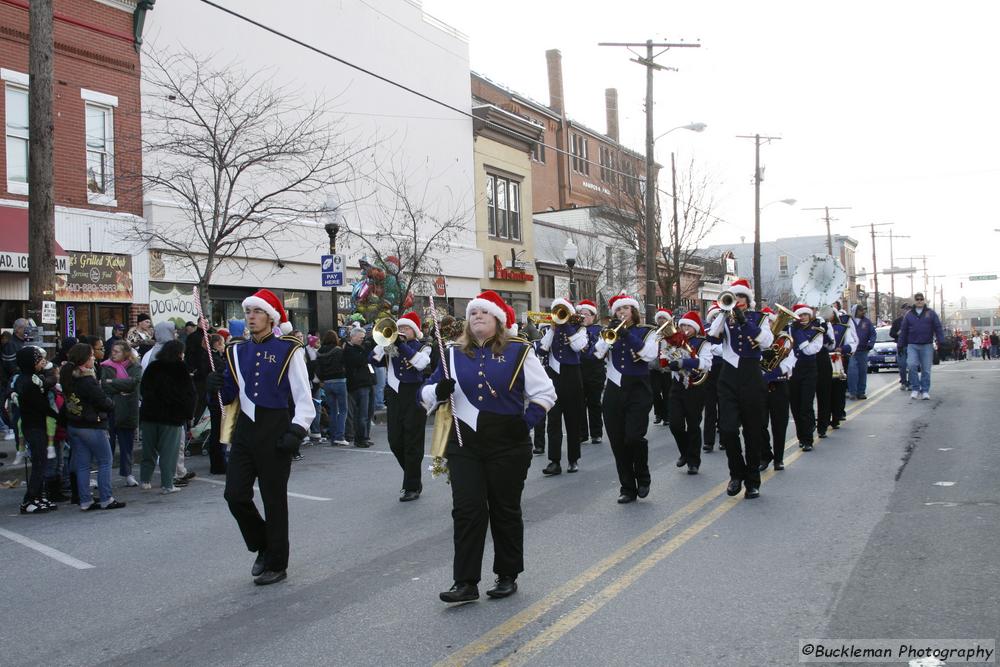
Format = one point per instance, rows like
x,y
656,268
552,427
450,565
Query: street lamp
x,y
693,127
570,252
332,228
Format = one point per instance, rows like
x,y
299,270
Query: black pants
x,y
686,406
216,450
626,419
802,391
538,433
37,441
824,390
569,407
838,401
487,478
776,412
593,373
254,456
659,384
405,422
741,403
711,387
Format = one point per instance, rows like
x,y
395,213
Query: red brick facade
x,y
93,51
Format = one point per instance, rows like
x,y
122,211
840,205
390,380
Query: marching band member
x,y
563,343
659,374
538,433
807,337
741,387
687,401
711,386
776,409
592,370
824,377
404,362
844,343
266,375
627,396
500,392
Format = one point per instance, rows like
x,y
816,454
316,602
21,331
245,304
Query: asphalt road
x,y
856,539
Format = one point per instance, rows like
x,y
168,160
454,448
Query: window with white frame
x,y
16,130
100,145
503,206
783,265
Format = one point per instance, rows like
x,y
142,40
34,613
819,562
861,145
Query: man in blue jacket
x,y
857,369
916,335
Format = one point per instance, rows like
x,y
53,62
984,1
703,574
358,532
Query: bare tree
x,y
404,230
246,159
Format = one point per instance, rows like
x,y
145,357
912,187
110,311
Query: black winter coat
x,y
87,406
356,367
168,394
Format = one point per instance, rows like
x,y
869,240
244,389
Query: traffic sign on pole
x,y
332,268
991,276
333,279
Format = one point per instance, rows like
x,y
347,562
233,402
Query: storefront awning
x,y
14,242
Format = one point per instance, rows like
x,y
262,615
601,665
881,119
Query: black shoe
x,y
707,448
807,447
753,491
460,593
779,466
573,467
190,474
408,496
180,481
258,565
657,420
692,470
297,457
862,397
362,443
625,498
506,586
268,577
595,441
681,462
538,450
553,468
113,505
763,465
835,426
642,490
733,487
822,435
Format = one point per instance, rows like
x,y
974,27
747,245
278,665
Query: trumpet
x,y
727,301
610,335
558,315
667,329
384,332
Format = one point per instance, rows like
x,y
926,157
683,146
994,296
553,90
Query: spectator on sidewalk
x,y
977,344
120,378
857,369
168,400
216,450
140,337
31,389
995,345
917,333
360,384
117,334
330,372
904,382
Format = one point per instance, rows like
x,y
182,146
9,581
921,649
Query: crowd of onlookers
x,y
97,400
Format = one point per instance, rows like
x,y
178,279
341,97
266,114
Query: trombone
x,y
384,332
610,335
558,315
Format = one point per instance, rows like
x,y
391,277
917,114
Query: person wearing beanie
x,y
564,343
594,376
30,391
499,391
808,337
689,363
140,337
262,377
744,335
404,361
711,421
627,396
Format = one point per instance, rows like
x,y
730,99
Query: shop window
x,y
503,206
546,287
16,114
538,151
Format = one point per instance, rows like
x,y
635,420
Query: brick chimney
x,y
611,109
554,59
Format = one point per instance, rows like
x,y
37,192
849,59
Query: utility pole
x,y
757,178
41,204
875,260
676,249
892,267
649,62
826,216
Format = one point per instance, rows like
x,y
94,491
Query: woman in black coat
x,y
168,399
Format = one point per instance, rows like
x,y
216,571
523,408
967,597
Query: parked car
x,y
883,355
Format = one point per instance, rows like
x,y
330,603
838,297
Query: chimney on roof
x,y
611,108
554,59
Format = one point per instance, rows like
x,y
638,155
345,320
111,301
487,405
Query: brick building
x,y
97,159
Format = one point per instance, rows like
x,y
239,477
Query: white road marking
x,y
945,449
54,554
257,489
369,451
944,483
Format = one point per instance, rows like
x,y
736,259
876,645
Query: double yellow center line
x,y
592,604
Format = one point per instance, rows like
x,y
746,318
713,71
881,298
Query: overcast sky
x,y
890,108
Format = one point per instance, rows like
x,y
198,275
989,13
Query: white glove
x,y
601,348
546,343
578,341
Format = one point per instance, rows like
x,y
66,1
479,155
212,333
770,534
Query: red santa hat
x,y
741,287
713,310
511,324
267,301
587,304
559,301
692,319
802,309
411,320
493,304
767,311
663,313
619,300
